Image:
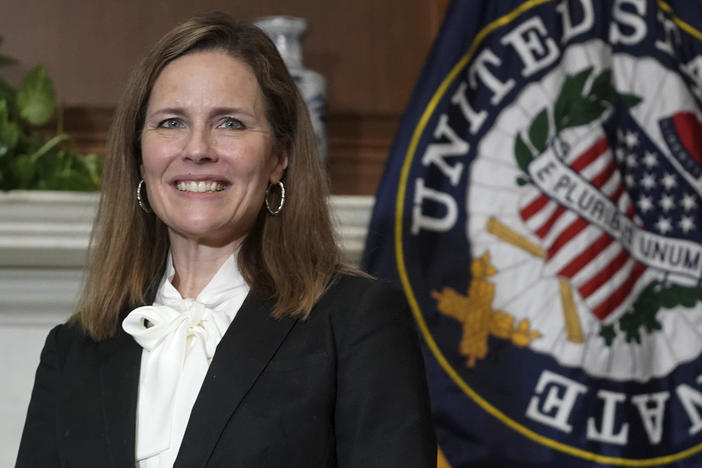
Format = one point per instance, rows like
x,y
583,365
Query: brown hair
x,y
290,257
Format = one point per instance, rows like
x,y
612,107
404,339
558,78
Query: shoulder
x,y
358,302
68,334
354,291
64,339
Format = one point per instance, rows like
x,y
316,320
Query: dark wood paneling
x,y
371,53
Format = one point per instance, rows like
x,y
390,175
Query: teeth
x,y
199,186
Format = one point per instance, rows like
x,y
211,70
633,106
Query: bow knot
x,y
189,323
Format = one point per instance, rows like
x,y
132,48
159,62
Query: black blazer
x,y
345,388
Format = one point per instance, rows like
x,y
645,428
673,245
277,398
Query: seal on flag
x,y
548,234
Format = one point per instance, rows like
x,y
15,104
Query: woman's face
x,y
207,148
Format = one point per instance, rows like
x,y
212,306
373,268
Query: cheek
x,y
154,159
251,162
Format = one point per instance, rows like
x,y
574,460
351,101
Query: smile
x,y
200,186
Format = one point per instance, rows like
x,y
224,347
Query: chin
x,y
201,229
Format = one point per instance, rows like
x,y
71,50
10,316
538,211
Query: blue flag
x,y
542,210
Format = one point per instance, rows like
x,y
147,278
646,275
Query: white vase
x,y
287,33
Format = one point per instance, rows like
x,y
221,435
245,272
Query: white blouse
x,y
179,337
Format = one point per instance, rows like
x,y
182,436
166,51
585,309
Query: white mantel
x,y
44,237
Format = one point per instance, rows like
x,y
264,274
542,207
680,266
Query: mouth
x,y
199,186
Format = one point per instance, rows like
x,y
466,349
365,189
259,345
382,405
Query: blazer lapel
x,y
119,381
245,349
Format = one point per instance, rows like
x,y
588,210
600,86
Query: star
x,y
650,159
688,202
629,180
631,139
644,204
686,224
666,202
620,134
648,181
631,160
669,180
620,154
663,225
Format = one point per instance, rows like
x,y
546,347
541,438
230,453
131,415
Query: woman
x,y
217,327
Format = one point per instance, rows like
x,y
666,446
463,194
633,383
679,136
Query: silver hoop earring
x,y
141,200
281,203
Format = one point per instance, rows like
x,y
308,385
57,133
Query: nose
x,y
198,147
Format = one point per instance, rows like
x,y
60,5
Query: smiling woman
x,y
217,326
207,153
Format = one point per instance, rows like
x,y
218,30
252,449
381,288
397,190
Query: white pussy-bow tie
x,y
181,337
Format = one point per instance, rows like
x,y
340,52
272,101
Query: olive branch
x,y
576,105
643,312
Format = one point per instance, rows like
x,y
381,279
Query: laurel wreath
x,y
578,104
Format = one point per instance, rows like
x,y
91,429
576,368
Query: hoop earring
x,y
281,203
140,200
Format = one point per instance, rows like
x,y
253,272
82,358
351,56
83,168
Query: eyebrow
x,y
214,111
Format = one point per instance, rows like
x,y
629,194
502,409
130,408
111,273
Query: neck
x,y
195,264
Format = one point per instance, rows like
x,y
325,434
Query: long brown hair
x,y
290,257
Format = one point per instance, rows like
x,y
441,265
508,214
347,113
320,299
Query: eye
x,y
231,123
171,123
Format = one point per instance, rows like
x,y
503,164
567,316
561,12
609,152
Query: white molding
x,y
38,296
52,229
44,238
351,215
45,229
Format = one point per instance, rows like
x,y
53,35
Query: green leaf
x,y
9,135
629,100
22,170
522,154
69,179
93,167
9,131
608,334
675,295
48,146
8,93
571,92
629,324
52,162
35,97
602,88
522,181
582,113
539,130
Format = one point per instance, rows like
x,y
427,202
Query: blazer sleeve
x,y
382,414
38,446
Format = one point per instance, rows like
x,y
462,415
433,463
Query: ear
x,y
279,169
141,170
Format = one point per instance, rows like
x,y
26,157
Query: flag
x,y
542,210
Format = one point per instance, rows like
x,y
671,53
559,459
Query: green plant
x,y
29,159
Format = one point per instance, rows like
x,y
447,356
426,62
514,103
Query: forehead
x,y
211,77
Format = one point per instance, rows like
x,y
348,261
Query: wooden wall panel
x,y
371,53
